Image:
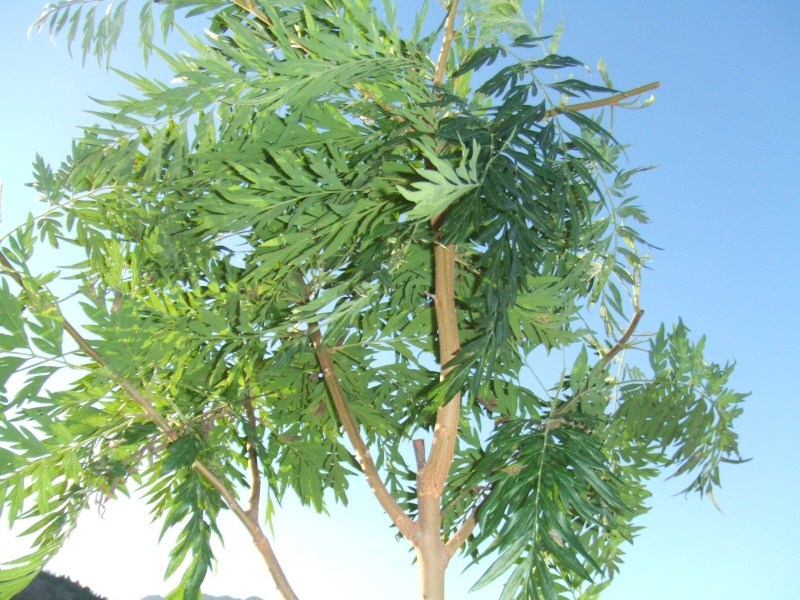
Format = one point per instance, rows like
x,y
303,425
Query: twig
x,y
248,6
604,360
419,452
626,335
609,101
139,398
252,460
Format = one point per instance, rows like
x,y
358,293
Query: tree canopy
x,y
328,251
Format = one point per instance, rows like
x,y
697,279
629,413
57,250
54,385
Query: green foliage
x,y
286,182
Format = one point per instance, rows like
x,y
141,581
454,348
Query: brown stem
x,y
604,360
626,335
398,516
250,523
419,452
609,101
447,42
252,460
432,476
461,535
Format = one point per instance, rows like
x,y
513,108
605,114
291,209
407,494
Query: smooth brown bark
x,y
432,476
404,524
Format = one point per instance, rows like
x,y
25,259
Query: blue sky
x,y
725,132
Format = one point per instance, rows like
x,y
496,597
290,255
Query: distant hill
x,y
47,586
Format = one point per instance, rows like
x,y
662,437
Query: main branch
x,y
398,516
432,476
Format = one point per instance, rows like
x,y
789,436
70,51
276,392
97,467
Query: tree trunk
x,y
432,475
430,549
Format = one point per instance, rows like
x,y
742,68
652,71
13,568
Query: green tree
x,y
327,252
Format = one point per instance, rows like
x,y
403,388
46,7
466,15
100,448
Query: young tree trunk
x,y
432,564
432,475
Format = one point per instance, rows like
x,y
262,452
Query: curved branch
x,y
626,335
604,360
609,101
252,460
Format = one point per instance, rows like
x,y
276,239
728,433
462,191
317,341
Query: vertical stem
x,y
252,459
432,476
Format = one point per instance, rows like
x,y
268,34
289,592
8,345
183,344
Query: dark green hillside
x,y
47,586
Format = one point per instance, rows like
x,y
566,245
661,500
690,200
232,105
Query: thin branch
x,y
248,6
626,335
609,101
259,538
604,360
139,398
398,516
463,532
447,42
252,460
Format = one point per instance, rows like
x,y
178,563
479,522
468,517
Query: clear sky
x,y
725,132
